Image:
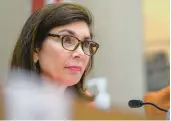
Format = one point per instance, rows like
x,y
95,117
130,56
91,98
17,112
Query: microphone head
x,y
135,103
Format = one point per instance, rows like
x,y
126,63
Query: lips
x,y
74,68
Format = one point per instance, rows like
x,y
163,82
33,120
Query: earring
x,y
37,66
35,61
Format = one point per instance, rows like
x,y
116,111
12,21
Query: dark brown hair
x,y
36,29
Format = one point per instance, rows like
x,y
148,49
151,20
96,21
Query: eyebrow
x,y
68,31
74,34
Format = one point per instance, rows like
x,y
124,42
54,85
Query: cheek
x,y
51,58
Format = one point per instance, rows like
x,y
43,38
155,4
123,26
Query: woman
x,y
57,43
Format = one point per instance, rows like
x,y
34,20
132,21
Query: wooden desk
x,y
83,112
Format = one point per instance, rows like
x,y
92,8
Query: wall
x,y
13,15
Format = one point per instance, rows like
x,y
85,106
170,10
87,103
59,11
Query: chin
x,y
70,82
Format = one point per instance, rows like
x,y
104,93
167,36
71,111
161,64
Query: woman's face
x,y
61,65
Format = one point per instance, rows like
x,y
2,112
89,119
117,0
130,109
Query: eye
x,y
68,40
86,44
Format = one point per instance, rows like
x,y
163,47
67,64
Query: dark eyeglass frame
x,y
79,42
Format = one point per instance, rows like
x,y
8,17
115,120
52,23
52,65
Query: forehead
x,y
79,28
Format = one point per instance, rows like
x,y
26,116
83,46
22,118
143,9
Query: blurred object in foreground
x,y
160,98
29,97
102,99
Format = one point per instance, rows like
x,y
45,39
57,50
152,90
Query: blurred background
x,y
134,43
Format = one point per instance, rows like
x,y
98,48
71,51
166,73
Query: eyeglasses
x,y
71,43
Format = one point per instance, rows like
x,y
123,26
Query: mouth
x,y
74,68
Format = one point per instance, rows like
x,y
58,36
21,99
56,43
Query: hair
x,y
36,29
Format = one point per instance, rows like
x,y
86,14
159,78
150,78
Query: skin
x,y
58,64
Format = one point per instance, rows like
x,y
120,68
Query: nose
x,y
78,52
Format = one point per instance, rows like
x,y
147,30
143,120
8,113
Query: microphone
x,y
139,103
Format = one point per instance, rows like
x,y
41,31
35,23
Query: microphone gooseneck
x,y
148,103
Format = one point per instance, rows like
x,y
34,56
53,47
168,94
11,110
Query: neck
x,y
60,88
